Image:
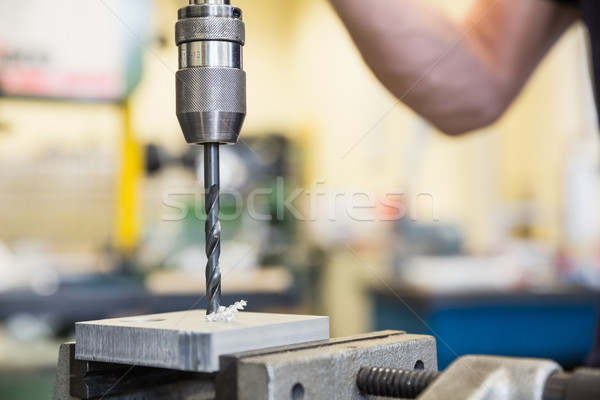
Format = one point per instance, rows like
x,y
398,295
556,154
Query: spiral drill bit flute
x,y
211,104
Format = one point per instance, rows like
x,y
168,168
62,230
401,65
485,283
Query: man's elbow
x,y
479,114
470,122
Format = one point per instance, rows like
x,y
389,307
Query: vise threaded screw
x,y
399,383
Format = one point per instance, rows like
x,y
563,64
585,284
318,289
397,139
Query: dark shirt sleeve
x,y
571,2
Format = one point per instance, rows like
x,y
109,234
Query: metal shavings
x,y
226,314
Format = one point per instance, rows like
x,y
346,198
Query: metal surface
x,y
217,115
201,8
62,382
211,54
211,104
187,341
325,370
197,29
486,377
76,379
212,227
211,84
330,369
396,383
209,1
582,384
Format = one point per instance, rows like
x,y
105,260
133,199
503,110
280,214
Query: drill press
x,y
275,356
211,104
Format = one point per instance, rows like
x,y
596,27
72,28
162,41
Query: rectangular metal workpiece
x,y
186,341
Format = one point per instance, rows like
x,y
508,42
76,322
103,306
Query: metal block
x,y
186,341
325,370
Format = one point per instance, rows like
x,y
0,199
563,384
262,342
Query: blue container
x,y
559,326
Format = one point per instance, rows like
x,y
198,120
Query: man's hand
x,y
458,75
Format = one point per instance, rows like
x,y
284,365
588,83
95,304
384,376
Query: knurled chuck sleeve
x,y
210,28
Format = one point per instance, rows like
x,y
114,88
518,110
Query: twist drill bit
x,y
212,227
211,104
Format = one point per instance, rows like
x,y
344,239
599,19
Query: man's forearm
x,y
460,76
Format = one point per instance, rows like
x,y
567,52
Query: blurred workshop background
x,y
338,199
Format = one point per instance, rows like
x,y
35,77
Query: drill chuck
x,y
211,82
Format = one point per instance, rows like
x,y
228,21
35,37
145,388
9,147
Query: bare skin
x,y
458,75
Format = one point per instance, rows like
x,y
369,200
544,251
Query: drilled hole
x,y
298,392
419,365
237,13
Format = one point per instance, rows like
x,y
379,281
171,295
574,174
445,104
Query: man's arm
x,y
460,76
